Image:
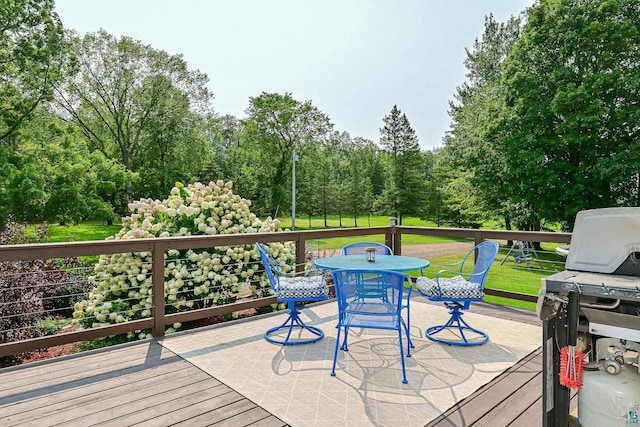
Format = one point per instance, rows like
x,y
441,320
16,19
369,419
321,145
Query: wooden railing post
x,y
300,252
157,278
393,238
478,237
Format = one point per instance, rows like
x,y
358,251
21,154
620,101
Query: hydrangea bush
x,y
194,278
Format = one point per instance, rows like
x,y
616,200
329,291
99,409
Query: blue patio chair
x,y
457,289
358,248
295,290
357,308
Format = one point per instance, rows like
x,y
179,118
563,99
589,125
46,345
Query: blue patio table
x,y
398,263
383,262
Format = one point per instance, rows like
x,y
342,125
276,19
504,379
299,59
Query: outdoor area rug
x,y
294,382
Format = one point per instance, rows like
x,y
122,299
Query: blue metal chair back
x,y
360,290
486,253
360,307
271,267
358,248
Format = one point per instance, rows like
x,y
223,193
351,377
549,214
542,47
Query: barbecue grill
x,y
603,269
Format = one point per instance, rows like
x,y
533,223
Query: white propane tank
x,y
610,400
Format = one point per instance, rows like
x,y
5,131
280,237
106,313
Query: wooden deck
x,y
145,384
138,384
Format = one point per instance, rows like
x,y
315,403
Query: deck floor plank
x,y
221,414
485,400
106,364
116,386
515,405
171,408
123,385
91,405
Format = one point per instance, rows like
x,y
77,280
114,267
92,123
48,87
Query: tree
x,y
572,86
326,192
405,193
276,124
53,176
458,201
137,105
471,146
32,51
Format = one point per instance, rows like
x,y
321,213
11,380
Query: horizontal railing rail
x,y
159,319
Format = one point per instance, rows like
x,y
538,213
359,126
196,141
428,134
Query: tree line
x,y
546,124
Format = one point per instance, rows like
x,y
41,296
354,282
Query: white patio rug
x,y
294,382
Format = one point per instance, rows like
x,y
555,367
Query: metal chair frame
x,y
486,254
303,287
358,248
358,308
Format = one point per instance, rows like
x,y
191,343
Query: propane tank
x,y
610,395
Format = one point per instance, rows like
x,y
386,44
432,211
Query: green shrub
x,y
194,278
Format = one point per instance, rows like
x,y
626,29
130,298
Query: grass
x,y
333,221
98,230
90,230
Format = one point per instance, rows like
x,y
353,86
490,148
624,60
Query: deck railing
x,y
159,319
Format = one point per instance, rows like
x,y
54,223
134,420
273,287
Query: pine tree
x,y
405,193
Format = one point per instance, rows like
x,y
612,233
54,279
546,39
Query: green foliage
x,y
405,192
545,125
53,176
471,167
277,124
31,54
140,107
572,85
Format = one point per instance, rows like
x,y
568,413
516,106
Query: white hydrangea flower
x,y
193,278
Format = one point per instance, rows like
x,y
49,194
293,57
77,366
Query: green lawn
x,y
98,230
333,221
90,230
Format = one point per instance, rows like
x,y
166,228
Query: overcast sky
x,y
354,59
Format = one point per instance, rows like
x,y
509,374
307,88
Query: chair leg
x,y
456,322
410,344
344,346
335,352
407,328
404,371
294,321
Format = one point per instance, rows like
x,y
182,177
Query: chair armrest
x,y
453,264
478,274
312,272
445,274
410,289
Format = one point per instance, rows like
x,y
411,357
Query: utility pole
x,y
293,190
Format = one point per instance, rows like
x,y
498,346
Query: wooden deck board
x,y
145,384
505,398
52,373
84,398
131,384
